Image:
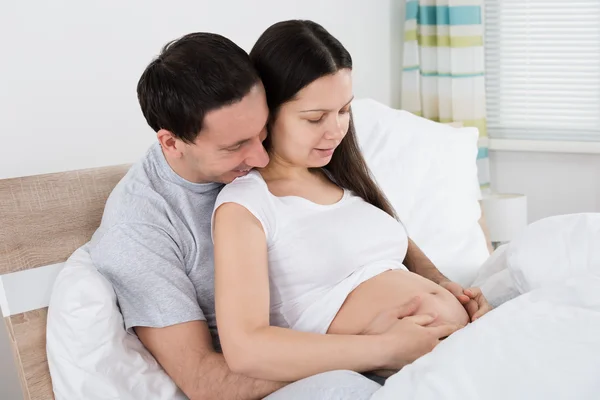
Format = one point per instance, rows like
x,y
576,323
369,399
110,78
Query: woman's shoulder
x,y
251,192
247,187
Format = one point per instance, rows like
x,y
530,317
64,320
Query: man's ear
x,y
169,143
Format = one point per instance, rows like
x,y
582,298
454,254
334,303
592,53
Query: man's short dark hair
x,y
193,75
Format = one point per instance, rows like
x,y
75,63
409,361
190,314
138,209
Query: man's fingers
x,y
482,305
482,310
457,291
463,298
409,308
472,292
422,319
472,307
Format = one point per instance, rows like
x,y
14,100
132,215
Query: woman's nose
x,y
336,131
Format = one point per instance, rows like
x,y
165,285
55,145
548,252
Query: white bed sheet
x,y
543,343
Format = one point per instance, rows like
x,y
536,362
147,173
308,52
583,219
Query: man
x,y
208,107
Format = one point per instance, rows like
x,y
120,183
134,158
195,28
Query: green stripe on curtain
x,y
480,124
449,41
438,74
443,40
410,36
449,75
412,68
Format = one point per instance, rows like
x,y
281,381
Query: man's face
x,y
230,143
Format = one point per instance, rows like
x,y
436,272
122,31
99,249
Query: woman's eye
x,y
315,121
346,111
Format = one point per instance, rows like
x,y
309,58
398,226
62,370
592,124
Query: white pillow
x,y
428,171
546,252
553,249
90,354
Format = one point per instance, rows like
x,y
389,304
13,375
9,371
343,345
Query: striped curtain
x,y
443,67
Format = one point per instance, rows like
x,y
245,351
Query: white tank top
x,y
317,253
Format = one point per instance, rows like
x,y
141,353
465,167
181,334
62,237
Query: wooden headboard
x,y
44,219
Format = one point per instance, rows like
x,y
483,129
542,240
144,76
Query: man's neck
x,y
178,166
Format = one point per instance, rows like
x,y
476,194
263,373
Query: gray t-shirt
x,y
154,245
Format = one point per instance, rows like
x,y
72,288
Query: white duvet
x,y
542,341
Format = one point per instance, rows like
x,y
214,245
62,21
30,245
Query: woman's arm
x,y
254,348
250,345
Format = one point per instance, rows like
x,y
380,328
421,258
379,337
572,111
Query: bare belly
x,y
392,289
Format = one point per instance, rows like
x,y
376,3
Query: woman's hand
x,y
408,335
383,321
411,338
472,299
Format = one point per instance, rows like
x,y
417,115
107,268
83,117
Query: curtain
x,y
443,67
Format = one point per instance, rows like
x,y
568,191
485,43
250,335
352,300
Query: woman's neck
x,y
279,169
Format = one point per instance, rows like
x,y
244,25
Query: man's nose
x,y
258,156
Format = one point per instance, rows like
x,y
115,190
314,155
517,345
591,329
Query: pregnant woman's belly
x,y
392,289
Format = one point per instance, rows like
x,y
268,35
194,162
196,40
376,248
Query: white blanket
x,y
542,342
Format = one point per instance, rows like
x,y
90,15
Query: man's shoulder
x,y
139,198
135,196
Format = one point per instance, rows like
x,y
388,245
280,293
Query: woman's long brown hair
x,y
288,57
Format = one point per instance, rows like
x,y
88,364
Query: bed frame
x,y
43,220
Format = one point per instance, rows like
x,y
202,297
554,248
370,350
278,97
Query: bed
x,y
46,218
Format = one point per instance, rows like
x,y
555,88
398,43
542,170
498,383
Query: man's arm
x,y
144,265
472,299
186,353
416,261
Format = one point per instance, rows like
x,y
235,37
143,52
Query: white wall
x,y
69,68
69,71
555,183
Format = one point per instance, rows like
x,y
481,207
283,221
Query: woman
x,y
322,251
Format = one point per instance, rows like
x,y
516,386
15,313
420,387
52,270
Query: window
x,y
543,69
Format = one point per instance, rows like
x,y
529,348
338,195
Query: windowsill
x,y
541,146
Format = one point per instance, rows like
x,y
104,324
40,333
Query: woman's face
x,y
308,128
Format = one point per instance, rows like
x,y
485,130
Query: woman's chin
x,y
320,162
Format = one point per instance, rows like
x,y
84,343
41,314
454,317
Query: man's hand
x,y
472,299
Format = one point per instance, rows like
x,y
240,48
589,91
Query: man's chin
x,y
233,175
